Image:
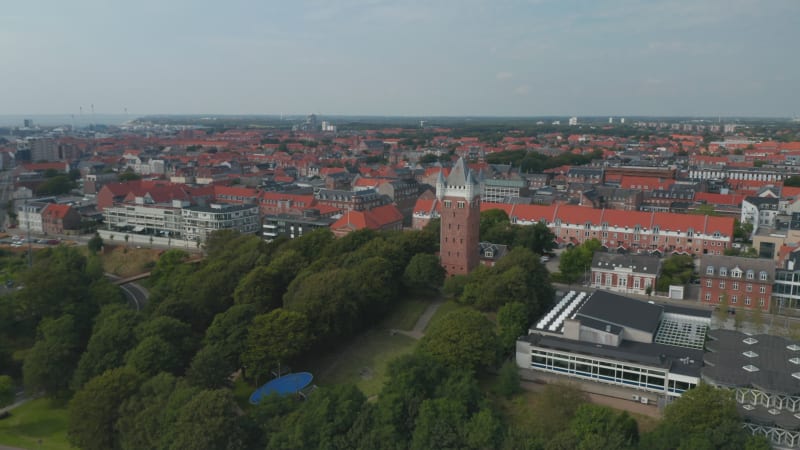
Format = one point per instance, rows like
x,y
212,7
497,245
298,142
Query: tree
x,y
675,270
463,338
454,286
575,262
556,406
484,431
721,312
209,420
596,427
704,417
210,368
538,238
508,380
128,175
424,272
112,337
49,364
512,322
489,219
154,355
274,338
792,181
439,425
742,231
94,410
147,416
323,421
7,391
95,244
228,332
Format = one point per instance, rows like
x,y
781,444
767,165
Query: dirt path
x,y
419,328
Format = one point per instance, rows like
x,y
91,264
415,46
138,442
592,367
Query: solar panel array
x,y
554,320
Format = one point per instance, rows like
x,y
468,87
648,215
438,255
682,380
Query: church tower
x,y
459,195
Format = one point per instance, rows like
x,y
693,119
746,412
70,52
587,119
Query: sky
x,y
402,58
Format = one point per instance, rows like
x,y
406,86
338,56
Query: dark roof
x,y
622,311
668,308
759,201
600,325
726,358
637,263
677,360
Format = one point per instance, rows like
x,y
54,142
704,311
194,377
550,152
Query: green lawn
x,y
405,314
363,361
37,419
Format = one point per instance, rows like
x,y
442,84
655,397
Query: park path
x,y
419,328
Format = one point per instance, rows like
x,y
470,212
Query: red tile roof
x,y
719,199
55,211
373,219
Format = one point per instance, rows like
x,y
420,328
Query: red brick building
x,y
741,282
630,231
459,195
57,218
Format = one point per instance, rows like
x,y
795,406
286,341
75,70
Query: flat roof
x,y
622,311
762,361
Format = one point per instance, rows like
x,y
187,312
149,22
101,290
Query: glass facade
x,y
613,372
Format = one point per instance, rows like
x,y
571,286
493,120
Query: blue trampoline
x,y
285,385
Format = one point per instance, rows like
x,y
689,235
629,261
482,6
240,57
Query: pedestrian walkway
x,y
422,323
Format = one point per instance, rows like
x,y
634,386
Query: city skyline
x,y
361,57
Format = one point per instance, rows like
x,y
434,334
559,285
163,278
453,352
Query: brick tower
x,y
460,219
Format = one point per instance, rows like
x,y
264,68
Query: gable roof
x,y
374,219
56,211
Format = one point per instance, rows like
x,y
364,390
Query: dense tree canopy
x,y
463,338
575,262
675,270
274,338
94,410
702,418
50,363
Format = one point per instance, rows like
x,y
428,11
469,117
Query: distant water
x,y
54,120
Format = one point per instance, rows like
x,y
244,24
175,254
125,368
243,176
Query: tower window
x,y
461,205
447,203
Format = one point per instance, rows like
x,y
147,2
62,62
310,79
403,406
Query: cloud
x,y
522,90
504,75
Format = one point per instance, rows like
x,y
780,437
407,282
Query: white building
x,y
182,221
759,211
652,350
573,121
29,216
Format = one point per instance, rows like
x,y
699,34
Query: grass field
x,y
405,314
36,420
519,411
124,263
364,361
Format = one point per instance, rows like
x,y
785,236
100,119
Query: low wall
x,y
116,237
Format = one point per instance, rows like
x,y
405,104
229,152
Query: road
x,y
136,294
